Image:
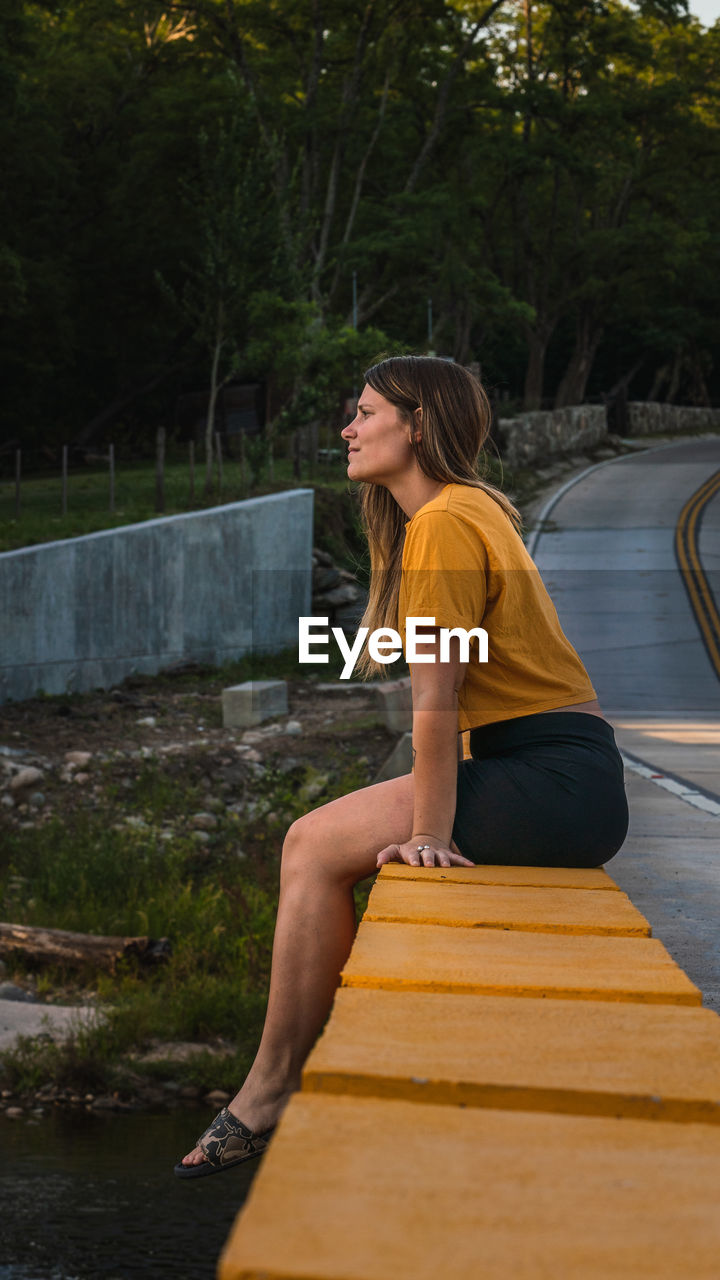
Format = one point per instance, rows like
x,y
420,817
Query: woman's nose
x,y
350,428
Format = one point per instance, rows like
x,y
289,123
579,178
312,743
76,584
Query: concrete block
x,y
548,877
399,761
436,957
568,911
657,1062
364,1189
244,705
394,703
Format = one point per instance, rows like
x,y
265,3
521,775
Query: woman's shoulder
x,y
466,503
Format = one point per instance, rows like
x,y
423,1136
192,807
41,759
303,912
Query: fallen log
x,y
60,946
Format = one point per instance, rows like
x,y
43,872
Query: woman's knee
x,y
303,846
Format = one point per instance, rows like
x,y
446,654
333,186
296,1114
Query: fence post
x,y
64,478
18,470
111,460
191,457
160,470
218,450
242,463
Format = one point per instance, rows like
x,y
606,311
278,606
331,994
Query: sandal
x,y
225,1142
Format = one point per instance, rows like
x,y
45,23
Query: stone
x,y
217,1098
149,721
14,1113
10,991
347,593
138,824
81,778
294,728
7,801
204,821
27,777
78,759
253,702
201,837
399,762
393,698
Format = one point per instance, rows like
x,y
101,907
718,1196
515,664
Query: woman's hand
x,y
422,851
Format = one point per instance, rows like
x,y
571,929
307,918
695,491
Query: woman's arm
x,y
435,687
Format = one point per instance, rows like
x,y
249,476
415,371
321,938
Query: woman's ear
x,y
417,425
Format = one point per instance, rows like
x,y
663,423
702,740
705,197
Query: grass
x,y
41,518
216,902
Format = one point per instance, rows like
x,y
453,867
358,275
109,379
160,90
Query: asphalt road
x,y
606,553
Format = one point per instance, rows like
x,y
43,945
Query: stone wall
x,y
646,417
209,586
543,434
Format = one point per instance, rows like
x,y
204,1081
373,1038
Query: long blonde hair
x,y
456,420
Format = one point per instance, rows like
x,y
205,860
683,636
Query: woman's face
x,y
378,439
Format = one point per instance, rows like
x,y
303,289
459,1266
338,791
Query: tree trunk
x,y
58,946
535,372
574,381
210,423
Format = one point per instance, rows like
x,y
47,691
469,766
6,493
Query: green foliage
x,y
216,904
549,179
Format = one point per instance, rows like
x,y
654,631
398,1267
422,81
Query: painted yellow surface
x,y
365,1189
588,1057
506,907
551,877
435,957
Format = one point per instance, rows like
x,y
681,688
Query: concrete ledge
x,y
542,877
653,1062
434,957
364,1189
568,911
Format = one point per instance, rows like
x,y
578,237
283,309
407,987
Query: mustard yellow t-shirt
x,y
465,565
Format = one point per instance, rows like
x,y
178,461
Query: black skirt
x,y
543,790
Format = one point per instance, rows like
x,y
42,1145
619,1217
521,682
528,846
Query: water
x,y
86,1196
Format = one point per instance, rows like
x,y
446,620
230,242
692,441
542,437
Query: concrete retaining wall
x,y
208,586
646,417
542,434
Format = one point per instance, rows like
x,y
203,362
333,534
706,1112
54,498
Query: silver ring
x,y
420,847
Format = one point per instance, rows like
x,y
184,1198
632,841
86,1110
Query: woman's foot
x,y
259,1114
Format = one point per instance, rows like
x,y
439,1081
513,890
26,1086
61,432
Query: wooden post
x,y
160,470
18,470
111,460
218,451
191,455
242,463
64,478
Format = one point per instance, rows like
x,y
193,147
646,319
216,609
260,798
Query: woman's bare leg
x,y
324,855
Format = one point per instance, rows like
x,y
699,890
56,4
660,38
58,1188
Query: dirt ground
x,y
77,747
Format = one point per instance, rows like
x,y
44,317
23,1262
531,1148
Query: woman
x,y
544,785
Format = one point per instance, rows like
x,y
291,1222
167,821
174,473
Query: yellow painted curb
x,y
589,1058
363,1189
539,877
569,911
422,957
